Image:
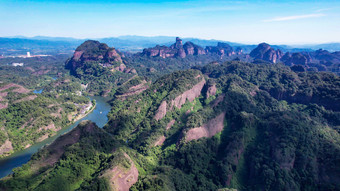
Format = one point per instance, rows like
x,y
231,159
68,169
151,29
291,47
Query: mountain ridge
x,y
137,43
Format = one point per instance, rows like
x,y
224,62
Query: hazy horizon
x,y
89,38
248,22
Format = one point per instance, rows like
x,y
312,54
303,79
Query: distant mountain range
x,y
138,43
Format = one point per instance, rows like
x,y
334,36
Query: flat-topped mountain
x,y
223,49
179,50
99,66
175,50
94,51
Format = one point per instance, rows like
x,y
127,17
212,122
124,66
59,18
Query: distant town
x,y
28,55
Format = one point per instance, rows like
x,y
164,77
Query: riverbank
x,y
97,114
86,109
80,116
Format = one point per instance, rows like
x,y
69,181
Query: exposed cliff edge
x,y
175,50
223,49
122,178
57,148
134,90
161,111
178,49
265,52
94,51
189,95
207,130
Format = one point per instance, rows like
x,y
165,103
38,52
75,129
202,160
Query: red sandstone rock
x,y
211,90
160,141
189,95
207,130
161,112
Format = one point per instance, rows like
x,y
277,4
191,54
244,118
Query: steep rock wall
x,y
209,129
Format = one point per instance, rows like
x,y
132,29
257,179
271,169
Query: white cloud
x,y
295,17
322,10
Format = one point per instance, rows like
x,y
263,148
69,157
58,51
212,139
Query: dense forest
x,y
36,101
226,126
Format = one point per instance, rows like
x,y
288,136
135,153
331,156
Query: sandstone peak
x,y
94,51
175,50
178,41
222,49
265,52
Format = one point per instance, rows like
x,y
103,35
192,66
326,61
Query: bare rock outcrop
x,y
94,51
209,129
28,98
175,50
121,179
6,147
170,124
18,88
134,90
51,127
222,49
295,59
113,56
211,90
161,112
160,141
189,95
218,100
265,52
77,55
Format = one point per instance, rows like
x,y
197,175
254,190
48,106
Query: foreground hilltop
x,y
223,126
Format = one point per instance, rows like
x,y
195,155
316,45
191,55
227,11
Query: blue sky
x,y
284,22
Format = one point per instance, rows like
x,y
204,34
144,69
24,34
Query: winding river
x,y
98,115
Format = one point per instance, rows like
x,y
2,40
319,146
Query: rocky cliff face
x,y
121,178
94,51
134,90
193,49
175,50
189,95
223,49
211,91
295,59
319,60
265,52
180,50
207,130
326,56
161,112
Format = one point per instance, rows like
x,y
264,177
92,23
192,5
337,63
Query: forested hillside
x,y
223,126
35,103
